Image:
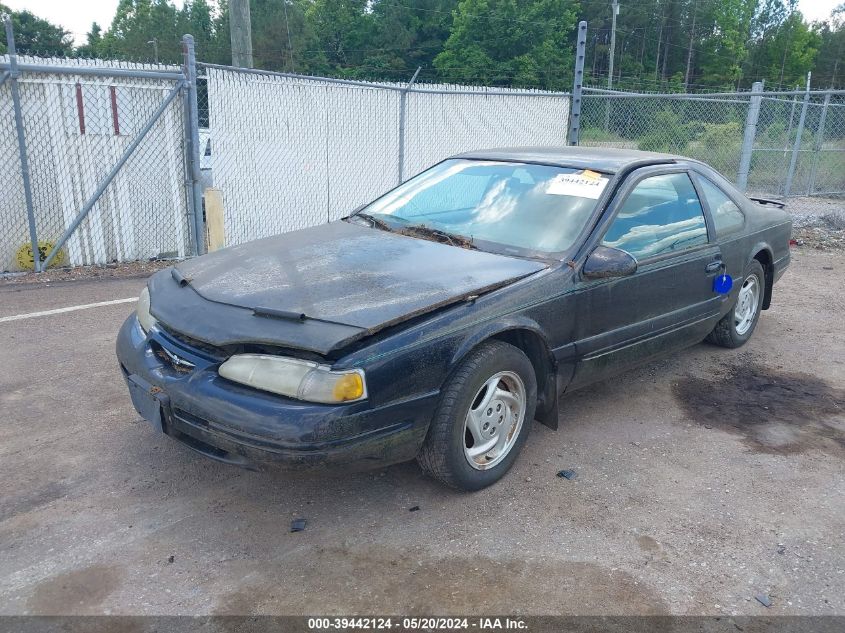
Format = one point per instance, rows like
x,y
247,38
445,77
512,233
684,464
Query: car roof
x,y
604,159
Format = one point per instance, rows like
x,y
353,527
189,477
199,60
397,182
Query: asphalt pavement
x,y
702,481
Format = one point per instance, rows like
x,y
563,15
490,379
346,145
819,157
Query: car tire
x,y
737,326
493,390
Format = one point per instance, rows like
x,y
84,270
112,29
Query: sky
x,y
77,15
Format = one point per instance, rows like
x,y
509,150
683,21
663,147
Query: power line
x,y
643,37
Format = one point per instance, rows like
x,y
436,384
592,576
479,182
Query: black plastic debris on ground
x,y
297,525
414,509
763,599
567,474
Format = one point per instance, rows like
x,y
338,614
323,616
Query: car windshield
x,y
519,207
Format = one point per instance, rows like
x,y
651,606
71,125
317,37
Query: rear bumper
x,y
246,427
780,266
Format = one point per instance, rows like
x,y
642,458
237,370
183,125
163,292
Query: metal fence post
x,y
750,135
403,97
577,85
192,148
818,146
16,102
793,162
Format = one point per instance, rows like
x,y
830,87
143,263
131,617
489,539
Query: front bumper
x,y
176,387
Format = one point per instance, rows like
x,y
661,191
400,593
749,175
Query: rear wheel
x,y
483,419
737,326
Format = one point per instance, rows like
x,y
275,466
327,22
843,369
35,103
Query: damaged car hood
x,y
354,280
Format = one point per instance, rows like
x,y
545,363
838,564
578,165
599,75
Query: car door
x,y
669,302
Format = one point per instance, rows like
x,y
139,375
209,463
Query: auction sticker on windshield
x,y
585,184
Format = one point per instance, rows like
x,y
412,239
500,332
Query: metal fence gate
x,y
788,145
98,162
799,145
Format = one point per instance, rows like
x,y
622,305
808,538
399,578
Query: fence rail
x,y
107,161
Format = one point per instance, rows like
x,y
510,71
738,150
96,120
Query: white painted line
x,y
32,315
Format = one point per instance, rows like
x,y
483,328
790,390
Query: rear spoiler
x,y
769,201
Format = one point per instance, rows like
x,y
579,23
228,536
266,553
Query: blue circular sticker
x,y
723,284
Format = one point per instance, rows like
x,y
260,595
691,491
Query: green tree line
x,y
660,44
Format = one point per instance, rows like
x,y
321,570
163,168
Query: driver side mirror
x,y
606,262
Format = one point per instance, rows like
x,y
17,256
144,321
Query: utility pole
x,y
659,43
615,12
689,51
240,32
593,71
154,42
290,44
785,51
615,6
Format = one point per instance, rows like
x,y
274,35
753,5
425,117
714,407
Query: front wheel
x,y
737,326
483,418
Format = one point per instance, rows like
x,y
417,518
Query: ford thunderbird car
x,y
439,321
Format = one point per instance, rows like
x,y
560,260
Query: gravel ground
x,y
807,210
818,222
86,273
703,481
820,236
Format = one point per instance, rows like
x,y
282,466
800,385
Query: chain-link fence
x,y
799,146
290,151
774,145
96,162
107,163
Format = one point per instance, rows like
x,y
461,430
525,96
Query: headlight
x,y
295,378
145,319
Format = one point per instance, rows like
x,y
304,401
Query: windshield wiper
x,y
426,231
419,230
374,222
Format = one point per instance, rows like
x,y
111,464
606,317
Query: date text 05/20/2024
x,y
418,623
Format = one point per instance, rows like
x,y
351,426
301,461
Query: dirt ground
x,y
703,481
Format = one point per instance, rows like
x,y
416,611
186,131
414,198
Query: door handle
x,y
713,267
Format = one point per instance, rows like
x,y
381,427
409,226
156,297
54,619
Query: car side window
x,y
661,215
727,216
